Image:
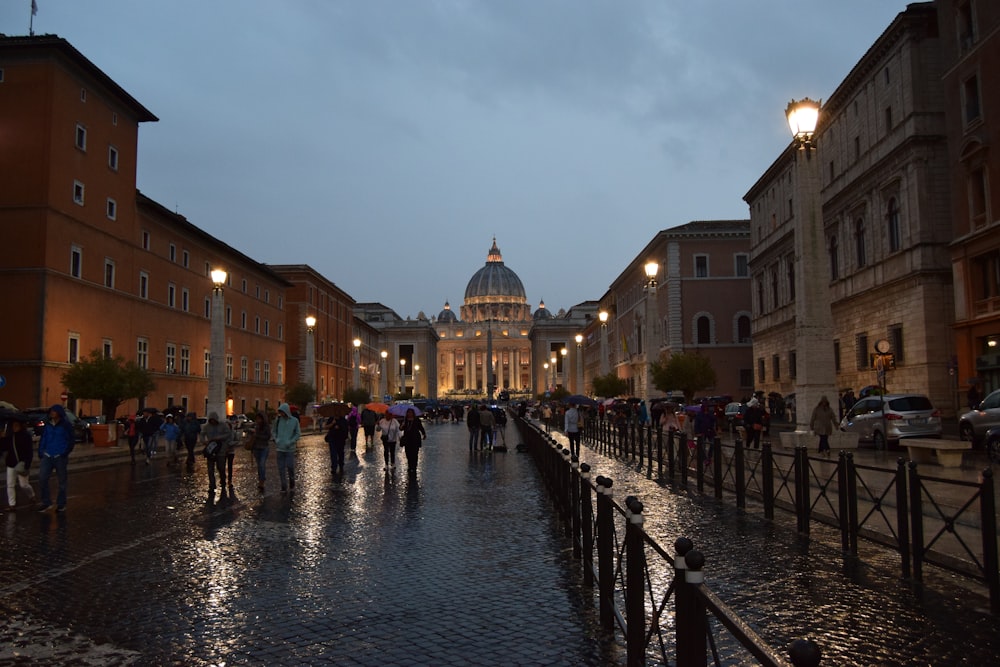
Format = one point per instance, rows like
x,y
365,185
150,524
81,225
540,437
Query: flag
x,y
34,8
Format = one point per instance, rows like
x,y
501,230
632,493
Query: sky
x,y
385,143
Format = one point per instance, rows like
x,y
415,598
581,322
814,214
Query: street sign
x,y
64,396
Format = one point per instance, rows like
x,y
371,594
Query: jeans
x,y
13,480
473,437
574,443
486,436
189,444
389,453
286,469
260,456
336,455
45,467
149,442
216,463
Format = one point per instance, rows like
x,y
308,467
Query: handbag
x,y
211,449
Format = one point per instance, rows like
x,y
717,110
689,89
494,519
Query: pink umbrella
x,y
400,409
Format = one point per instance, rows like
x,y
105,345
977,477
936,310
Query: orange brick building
x,y
89,263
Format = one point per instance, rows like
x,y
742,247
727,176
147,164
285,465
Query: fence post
x,y
566,491
903,516
659,452
575,505
683,452
635,567
640,442
717,466
692,625
702,455
671,440
916,522
587,525
845,529
605,554
802,488
852,503
740,476
767,472
989,522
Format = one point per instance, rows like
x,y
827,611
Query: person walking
x,y
336,438
353,424
753,420
286,438
216,436
472,421
16,446
571,425
54,448
368,421
823,422
500,429
260,446
190,430
171,432
412,436
149,429
132,435
390,436
704,431
486,424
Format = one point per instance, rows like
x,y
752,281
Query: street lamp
x,y
579,363
546,367
605,362
552,366
357,363
383,381
309,377
402,376
815,374
652,315
416,369
217,347
565,367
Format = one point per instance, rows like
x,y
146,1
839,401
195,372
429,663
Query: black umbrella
x,y
580,399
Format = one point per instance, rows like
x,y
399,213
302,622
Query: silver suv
x,y
905,416
972,426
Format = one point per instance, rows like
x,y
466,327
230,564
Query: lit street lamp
x,y
416,369
402,376
217,347
815,374
310,375
545,366
357,363
605,363
579,363
552,366
652,315
383,381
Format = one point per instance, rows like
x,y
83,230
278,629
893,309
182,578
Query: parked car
x,y
734,415
87,423
973,425
905,416
992,442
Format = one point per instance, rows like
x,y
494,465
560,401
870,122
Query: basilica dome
x,y
495,292
447,315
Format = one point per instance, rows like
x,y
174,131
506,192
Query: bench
x,y
949,452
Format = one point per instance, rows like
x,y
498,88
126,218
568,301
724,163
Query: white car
x,y
889,418
972,426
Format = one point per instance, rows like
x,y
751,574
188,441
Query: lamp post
x,y
546,367
383,381
564,353
310,375
652,339
217,348
815,374
553,360
357,363
579,363
416,369
402,376
605,362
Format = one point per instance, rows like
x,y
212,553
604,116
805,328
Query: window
x,y
701,266
892,224
172,295
281,332
243,319
792,361
208,362
78,193
185,299
185,360
143,285
896,342
966,26
790,276
244,368
888,119
857,148
256,324
280,301
267,327
859,242
142,353
75,262
208,307
836,355
978,202
281,374
986,276
834,259
113,158
861,351
256,370
81,137
760,296
746,377
109,273
114,118
703,327
186,259
1,75
145,240
970,99
257,291
171,358
229,367
172,252
83,94
760,371
775,367
886,74
73,355
267,296
774,286
112,209
244,285
743,329
742,265
267,372
229,316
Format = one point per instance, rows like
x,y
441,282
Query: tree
x,y
300,394
690,373
110,380
609,385
357,396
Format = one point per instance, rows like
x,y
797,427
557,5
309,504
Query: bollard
x,y
852,502
575,506
587,525
804,653
802,489
845,529
991,566
903,517
605,554
701,458
717,466
635,567
659,453
683,452
767,478
692,624
738,463
916,522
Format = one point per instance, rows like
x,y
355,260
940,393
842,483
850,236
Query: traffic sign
x,y
64,396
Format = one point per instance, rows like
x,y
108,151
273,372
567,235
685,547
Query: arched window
x,y
834,259
760,296
743,329
704,328
859,242
892,224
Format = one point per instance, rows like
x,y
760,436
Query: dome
x,y
542,313
495,280
447,315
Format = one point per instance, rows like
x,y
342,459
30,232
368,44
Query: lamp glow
x,y
219,277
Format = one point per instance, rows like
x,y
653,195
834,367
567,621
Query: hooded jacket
x,y
57,439
285,430
219,431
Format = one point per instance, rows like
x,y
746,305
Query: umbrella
x,y
328,410
579,399
377,407
4,405
400,409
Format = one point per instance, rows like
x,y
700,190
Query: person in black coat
x,y
336,437
413,434
17,449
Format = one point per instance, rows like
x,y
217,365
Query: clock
x,y
882,346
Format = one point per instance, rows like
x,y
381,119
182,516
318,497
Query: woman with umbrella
x,y
413,434
16,446
390,436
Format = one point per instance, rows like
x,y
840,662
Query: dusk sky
x,y
386,143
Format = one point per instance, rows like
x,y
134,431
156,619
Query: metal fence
x,y
635,579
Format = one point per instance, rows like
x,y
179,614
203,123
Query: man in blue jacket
x,y
53,453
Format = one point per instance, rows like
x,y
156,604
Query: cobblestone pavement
x,y
788,586
462,564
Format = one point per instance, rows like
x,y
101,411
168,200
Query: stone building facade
x,y
884,193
